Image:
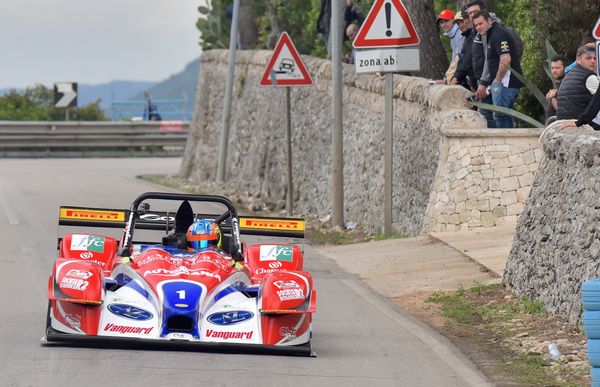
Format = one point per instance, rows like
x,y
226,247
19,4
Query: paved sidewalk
x,y
440,261
487,246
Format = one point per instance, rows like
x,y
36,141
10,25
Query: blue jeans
x,y
504,97
489,116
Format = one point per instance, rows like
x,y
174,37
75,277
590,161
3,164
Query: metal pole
x,y
388,171
337,140
290,188
228,92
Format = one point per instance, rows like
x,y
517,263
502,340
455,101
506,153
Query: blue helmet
x,y
202,233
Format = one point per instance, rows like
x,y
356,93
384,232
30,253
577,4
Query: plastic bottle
x,y
554,352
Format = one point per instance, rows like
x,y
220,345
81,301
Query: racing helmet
x,y
203,233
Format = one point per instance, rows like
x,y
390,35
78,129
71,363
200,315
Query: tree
x,y
37,104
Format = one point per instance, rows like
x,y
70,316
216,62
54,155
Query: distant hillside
x,y
178,86
112,91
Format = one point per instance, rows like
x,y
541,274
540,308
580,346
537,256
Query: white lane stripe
x,y
12,217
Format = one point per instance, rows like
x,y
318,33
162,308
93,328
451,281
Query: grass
x,y
491,316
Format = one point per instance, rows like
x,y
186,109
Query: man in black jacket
x,y
578,86
464,74
502,59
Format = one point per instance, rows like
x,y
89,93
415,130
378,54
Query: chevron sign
x,y
65,94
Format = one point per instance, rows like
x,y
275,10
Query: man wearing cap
x,y
464,74
446,20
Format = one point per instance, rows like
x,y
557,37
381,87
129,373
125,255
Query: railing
x,y
97,138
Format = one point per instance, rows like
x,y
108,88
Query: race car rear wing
x,y
157,220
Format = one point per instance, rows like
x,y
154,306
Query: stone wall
x,y
483,179
256,155
557,240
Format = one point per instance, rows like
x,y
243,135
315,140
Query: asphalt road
x,y
361,339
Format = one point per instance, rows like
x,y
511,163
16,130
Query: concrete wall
x,y
557,241
256,156
483,179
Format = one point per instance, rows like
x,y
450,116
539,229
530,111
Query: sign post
x,y
287,69
387,28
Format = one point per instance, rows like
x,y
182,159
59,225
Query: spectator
x,y
557,69
446,21
351,14
500,53
464,72
351,32
479,61
578,86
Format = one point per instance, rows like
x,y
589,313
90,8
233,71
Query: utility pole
x,y
337,138
228,93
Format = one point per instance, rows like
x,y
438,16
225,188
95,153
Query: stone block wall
x,y
256,158
484,177
557,240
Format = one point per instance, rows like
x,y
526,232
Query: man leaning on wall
x,y
500,52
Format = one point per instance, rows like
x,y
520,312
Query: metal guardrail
x,y
97,138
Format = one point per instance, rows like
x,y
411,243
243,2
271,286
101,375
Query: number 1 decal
x,y
181,294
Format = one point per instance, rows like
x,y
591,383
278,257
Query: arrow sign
x,y
65,94
596,32
286,67
387,25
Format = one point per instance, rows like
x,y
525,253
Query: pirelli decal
x,y
272,224
91,215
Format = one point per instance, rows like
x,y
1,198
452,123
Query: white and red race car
x,y
159,293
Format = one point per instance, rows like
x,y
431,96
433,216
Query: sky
x,y
94,42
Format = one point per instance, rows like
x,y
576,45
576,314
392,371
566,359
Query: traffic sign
x,y
387,25
286,67
383,60
65,94
596,31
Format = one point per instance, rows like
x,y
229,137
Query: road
x,y
361,339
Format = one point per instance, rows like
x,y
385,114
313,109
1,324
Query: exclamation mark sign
x,y
388,19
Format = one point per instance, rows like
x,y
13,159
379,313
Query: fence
x,y
97,138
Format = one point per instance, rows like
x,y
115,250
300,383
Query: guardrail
x,y
91,138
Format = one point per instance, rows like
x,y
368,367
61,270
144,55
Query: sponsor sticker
x,y
100,215
74,320
87,243
181,270
291,284
74,283
290,294
228,335
86,255
79,273
272,224
130,312
275,265
230,317
275,253
127,329
287,332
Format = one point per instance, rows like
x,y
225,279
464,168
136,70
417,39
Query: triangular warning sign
x,y
387,25
596,31
286,67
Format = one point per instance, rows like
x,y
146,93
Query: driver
x,y
202,234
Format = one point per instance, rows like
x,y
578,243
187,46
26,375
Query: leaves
x,y
37,104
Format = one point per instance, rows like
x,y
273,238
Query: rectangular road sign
x,y
386,60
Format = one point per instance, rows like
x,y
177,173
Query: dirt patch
x,y
506,339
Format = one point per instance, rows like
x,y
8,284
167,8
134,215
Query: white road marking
x,y
10,213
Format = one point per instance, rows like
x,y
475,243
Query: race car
x,y
194,286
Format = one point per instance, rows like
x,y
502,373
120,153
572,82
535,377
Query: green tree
x,y
37,104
